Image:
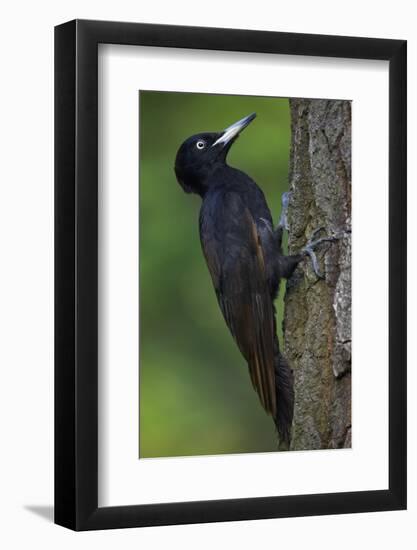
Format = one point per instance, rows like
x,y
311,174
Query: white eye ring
x,y
200,144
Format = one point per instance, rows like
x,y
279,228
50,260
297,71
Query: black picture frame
x,y
76,272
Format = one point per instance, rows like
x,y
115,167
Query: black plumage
x,y
244,256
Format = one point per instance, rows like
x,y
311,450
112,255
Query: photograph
x,y
244,274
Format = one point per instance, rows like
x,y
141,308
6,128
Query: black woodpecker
x,y
244,255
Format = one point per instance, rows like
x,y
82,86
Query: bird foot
x,y
308,250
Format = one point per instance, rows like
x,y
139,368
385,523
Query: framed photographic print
x,y
230,275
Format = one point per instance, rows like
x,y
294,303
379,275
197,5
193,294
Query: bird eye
x,y
200,145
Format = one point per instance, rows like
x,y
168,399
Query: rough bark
x,y
317,321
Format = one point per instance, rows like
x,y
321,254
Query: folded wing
x,y
236,262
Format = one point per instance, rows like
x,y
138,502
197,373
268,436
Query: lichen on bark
x,y
317,320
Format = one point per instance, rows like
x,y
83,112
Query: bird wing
x,y
235,258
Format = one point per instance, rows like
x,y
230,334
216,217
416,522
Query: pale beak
x,y
234,130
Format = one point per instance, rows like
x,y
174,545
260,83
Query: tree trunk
x,y
317,320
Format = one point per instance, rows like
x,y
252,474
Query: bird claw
x,y
311,245
285,200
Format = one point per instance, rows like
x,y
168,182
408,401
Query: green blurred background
x,y
195,393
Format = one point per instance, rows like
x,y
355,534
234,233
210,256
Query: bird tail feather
x,y
284,383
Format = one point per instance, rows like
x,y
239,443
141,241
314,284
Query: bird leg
x,y
287,264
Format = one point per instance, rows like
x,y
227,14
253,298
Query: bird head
x,y
200,155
